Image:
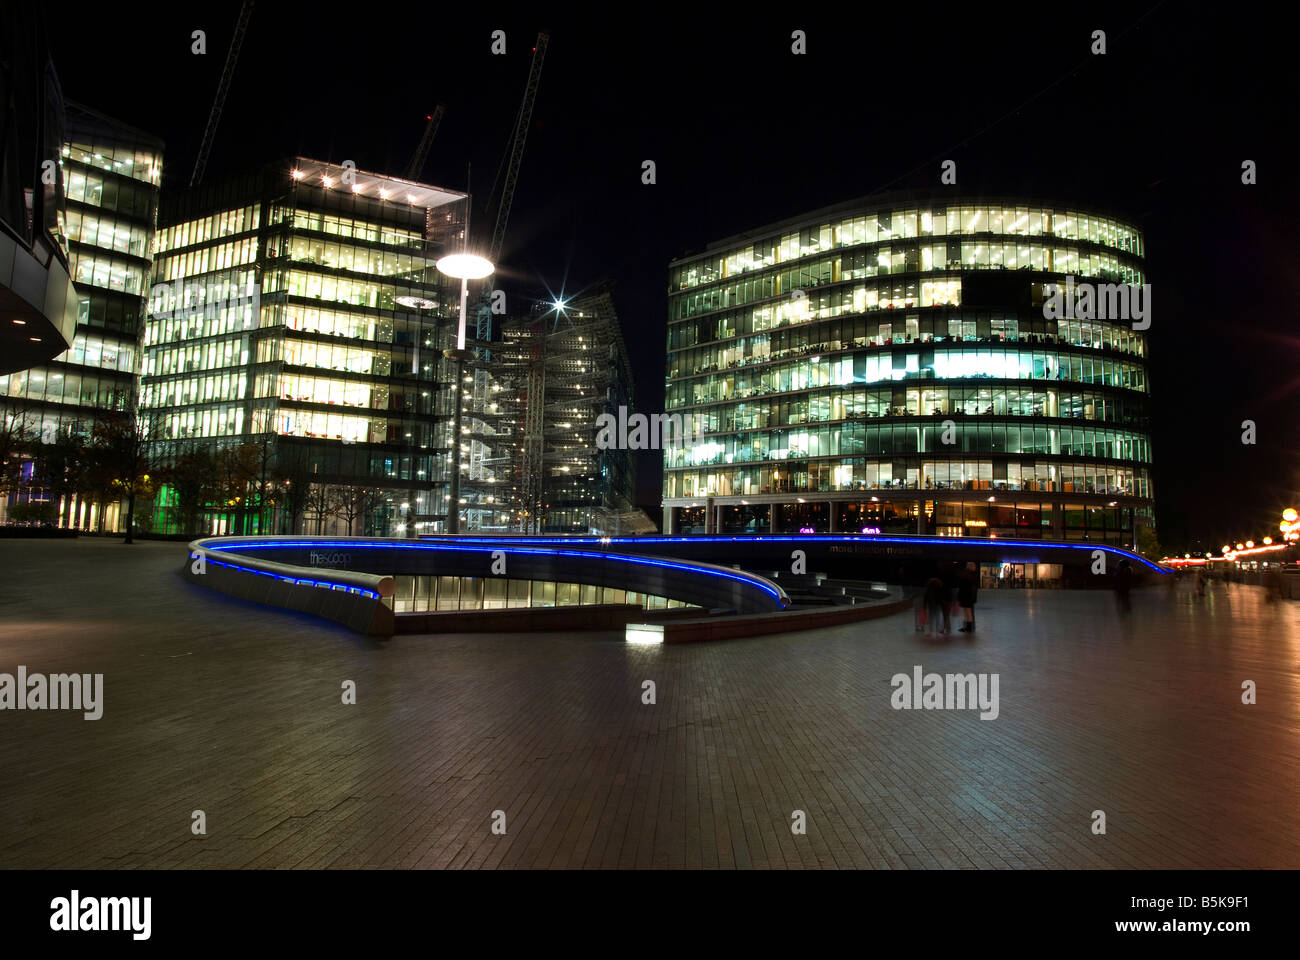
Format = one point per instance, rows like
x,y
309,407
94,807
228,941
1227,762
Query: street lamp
x,y
465,267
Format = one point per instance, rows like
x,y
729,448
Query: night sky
x,y
744,133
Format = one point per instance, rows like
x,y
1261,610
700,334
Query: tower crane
x,y
223,87
511,162
416,167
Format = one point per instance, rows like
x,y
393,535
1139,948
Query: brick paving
x,y
219,705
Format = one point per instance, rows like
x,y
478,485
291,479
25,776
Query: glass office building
x,y
37,316
111,174
298,311
905,364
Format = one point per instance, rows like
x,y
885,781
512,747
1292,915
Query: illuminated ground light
x,y
644,633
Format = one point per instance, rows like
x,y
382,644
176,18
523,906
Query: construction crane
x,y
223,87
516,155
511,162
422,151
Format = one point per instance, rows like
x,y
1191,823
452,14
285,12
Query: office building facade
x,y
904,364
296,329
110,174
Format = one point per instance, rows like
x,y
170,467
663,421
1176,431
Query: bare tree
x,y
356,502
292,486
191,476
236,474
264,489
121,442
322,503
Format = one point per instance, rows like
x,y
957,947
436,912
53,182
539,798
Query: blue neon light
x,y
542,551
537,546
833,538
315,583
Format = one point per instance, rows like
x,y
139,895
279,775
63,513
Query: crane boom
x,y
517,148
223,87
414,171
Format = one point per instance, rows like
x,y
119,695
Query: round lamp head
x,y
465,266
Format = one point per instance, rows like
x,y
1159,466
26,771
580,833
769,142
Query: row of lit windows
x,y
877,227
331,356
711,329
335,323
824,304
970,255
94,350
221,420
68,386
219,256
107,272
961,437
941,363
352,257
127,161
218,322
223,224
100,231
832,337
807,277
215,355
120,314
870,404
1016,517
367,231
417,594
189,390
994,476
129,199
354,429
51,424
411,435
212,305
308,389
357,293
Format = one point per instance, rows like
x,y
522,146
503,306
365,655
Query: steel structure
x,y
534,463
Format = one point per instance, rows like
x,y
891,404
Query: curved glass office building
x,y
914,364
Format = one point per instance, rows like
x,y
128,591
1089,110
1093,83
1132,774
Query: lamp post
x,y
465,267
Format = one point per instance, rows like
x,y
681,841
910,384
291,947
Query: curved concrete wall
x,y
360,601
349,578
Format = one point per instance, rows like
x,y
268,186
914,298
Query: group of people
x,y
954,585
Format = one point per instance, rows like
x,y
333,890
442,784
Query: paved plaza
x,y
222,706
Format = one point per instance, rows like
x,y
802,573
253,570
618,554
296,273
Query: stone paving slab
x,y
216,704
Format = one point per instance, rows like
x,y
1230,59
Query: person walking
x,y
933,600
949,576
967,589
1123,584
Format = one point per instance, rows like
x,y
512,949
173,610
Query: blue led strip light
x,y
950,542
542,551
328,584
